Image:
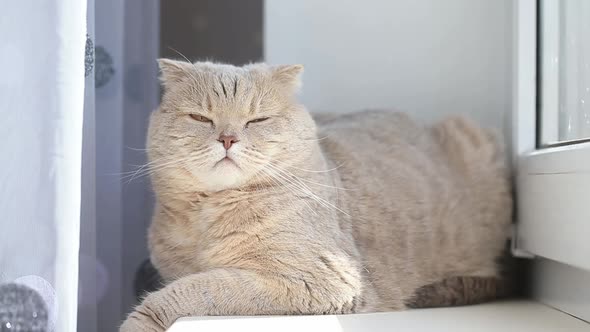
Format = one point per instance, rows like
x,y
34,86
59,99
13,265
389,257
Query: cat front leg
x,y
226,292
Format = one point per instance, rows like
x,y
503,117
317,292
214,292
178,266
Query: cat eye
x,y
200,118
256,120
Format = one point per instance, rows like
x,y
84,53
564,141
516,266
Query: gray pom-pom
x,y
21,309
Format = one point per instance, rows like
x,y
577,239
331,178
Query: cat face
x,y
223,127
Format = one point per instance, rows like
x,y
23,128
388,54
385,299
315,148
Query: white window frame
x,y
552,187
552,183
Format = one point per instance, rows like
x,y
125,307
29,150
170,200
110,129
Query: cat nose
x,y
227,140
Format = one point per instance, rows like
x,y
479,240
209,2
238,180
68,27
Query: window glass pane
x,y
565,70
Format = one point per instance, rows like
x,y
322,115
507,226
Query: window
x,y
564,81
551,140
552,149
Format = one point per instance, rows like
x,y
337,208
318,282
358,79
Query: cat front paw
x,y
139,321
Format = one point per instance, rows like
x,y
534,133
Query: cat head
x,y
223,127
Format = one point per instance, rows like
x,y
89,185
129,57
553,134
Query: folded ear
x,y
289,76
173,71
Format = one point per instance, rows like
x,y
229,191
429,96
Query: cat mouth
x,y
226,161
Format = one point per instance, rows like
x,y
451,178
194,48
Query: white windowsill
x,y
517,315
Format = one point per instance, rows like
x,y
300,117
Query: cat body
x,y
261,209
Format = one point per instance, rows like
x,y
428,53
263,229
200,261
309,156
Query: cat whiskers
x,y
187,60
146,171
302,169
293,182
140,168
318,171
270,180
299,184
271,177
309,181
156,165
317,139
289,187
137,149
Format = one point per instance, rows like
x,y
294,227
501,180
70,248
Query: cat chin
x,y
226,176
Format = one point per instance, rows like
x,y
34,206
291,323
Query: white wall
x,y
425,57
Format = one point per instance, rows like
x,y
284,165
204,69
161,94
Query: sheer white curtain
x,y
78,83
42,45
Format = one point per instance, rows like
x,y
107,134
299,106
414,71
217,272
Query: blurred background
x,y
429,58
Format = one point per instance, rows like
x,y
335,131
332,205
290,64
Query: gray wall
x,y
221,30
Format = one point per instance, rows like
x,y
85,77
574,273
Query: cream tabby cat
x,y
263,211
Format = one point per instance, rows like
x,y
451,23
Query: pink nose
x,y
227,140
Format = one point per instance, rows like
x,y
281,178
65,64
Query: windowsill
x,y
516,315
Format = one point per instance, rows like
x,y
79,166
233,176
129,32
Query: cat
x,y
262,209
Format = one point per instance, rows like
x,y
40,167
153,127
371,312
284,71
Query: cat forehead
x,y
230,76
173,71
226,86
219,71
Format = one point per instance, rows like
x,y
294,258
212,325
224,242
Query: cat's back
x,y
376,142
391,162
367,126
382,139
